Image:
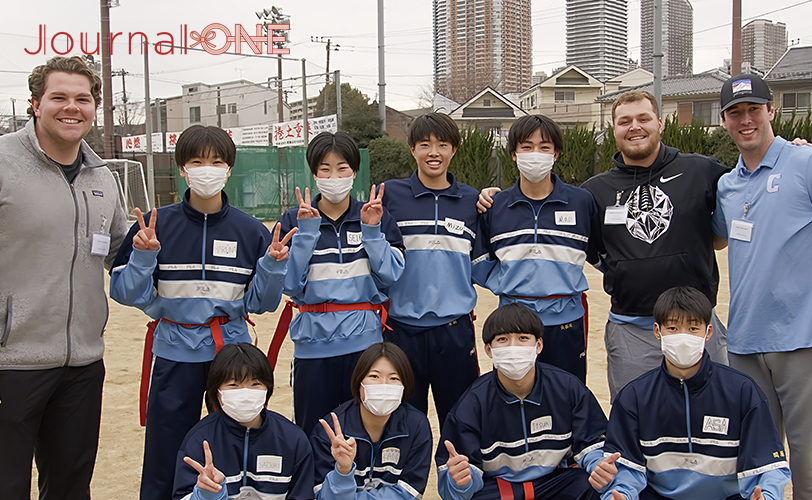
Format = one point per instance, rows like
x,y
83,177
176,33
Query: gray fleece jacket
x,y
53,307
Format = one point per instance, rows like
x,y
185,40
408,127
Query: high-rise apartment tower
x,y
763,43
677,37
597,33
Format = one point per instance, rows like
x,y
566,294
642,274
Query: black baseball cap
x,y
745,87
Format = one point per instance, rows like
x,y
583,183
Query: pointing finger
x,y
288,236
372,193
140,217
207,453
307,195
328,430
380,191
336,425
299,196
196,466
153,216
276,231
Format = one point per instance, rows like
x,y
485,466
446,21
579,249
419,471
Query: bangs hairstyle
x,y
524,127
512,318
394,355
682,303
442,126
634,96
238,362
340,143
71,65
199,141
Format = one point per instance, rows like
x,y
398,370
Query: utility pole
x,y
330,47
304,102
275,16
736,52
123,74
148,126
338,97
658,55
14,113
219,114
107,82
381,72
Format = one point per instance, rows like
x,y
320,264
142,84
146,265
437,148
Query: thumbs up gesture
x,y
458,467
604,472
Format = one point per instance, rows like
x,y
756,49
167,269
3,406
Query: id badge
x,y
615,215
100,244
741,230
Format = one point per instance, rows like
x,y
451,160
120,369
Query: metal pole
x,y
14,113
736,52
107,82
148,123
304,102
338,97
658,54
219,117
327,73
124,100
279,90
381,71
160,125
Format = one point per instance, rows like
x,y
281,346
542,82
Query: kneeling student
x,y
518,429
692,428
378,446
243,450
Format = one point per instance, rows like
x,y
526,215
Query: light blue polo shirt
x,y
771,275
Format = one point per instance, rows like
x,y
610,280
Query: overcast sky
x,y
350,24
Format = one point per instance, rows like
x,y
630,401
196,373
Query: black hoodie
x,y
667,239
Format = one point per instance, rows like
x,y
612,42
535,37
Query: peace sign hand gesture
x,y
278,249
306,211
372,211
145,238
343,450
209,477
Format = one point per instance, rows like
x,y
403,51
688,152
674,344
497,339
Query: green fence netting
x,y
264,179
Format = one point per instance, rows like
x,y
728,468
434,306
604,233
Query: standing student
x,y
431,305
344,255
378,447
197,268
61,224
243,450
764,211
534,240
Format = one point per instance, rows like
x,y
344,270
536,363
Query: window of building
x,y
707,112
486,102
192,90
194,114
561,96
793,100
232,108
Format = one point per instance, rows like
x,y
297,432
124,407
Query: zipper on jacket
x,y
524,427
687,415
203,250
436,211
72,266
7,329
245,458
338,240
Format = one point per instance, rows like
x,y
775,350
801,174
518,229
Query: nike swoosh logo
x,y
663,180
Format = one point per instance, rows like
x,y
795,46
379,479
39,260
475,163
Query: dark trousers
x,y
319,386
443,357
650,494
560,484
565,347
173,408
52,415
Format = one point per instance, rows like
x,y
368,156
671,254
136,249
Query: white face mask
x,y
206,181
535,166
683,350
243,405
334,190
382,399
514,362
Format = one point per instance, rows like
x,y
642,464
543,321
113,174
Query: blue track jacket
x,y
273,461
208,265
394,468
346,266
710,436
524,251
521,440
439,229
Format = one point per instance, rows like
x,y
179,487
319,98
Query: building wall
x,y
763,43
244,103
677,37
597,35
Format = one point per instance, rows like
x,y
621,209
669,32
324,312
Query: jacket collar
x,y
535,395
238,429
695,383
353,426
418,189
89,157
769,160
199,217
559,192
353,214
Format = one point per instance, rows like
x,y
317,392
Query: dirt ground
x,y
118,466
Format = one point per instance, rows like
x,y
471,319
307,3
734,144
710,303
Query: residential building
x,y
233,104
790,80
488,110
597,33
568,97
481,43
628,80
296,108
763,43
677,37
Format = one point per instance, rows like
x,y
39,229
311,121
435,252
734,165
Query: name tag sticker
x,y
741,230
353,238
615,215
227,249
565,218
544,423
269,463
715,425
390,455
100,244
454,226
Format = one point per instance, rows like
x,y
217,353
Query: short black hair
x,y
442,126
512,318
200,141
238,362
340,143
373,353
524,127
682,303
